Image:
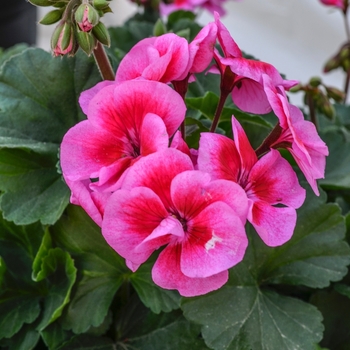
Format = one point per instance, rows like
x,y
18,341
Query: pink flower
x,y
164,202
336,3
164,58
125,123
92,202
269,182
298,136
243,77
192,5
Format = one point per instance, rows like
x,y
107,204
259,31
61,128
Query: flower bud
x,y
296,88
86,41
86,17
51,17
336,94
315,81
328,110
100,32
331,64
62,41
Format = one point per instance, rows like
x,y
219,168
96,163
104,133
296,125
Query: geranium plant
x,y
160,191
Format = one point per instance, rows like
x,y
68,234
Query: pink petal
x,y
192,192
135,61
87,95
167,274
201,48
129,218
153,135
92,202
168,226
249,96
218,156
216,241
179,143
85,149
156,171
244,148
228,45
274,181
275,226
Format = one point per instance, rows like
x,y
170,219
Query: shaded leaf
x,y
35,113
102,270
154,297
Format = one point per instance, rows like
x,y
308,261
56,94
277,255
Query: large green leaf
x,y
156,298
337,163
248,314
102,270
37,107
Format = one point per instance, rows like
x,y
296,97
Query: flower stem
x,y
103,63
219,108
312,111
271,138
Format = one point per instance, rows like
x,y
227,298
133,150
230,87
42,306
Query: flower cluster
x,y
130,168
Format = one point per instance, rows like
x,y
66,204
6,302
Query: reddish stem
x,y
103,63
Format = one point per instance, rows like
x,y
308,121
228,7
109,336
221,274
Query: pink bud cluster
x,y
131,170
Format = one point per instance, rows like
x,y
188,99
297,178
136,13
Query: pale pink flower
x,y
243,77
269,182
125,122
299,136
164,202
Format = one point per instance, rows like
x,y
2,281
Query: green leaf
x,y
25,339
317,253
59,272
33,120
247,318
154,297
102,270
44,199
17,310
54,336
8,53
337,163
248,314
335,309
138,328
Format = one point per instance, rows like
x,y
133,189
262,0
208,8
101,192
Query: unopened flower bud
x,y
344,53
86,17
159,28
62,41
100,32
315,81
51,17
336,94
86,41
331,64
328,110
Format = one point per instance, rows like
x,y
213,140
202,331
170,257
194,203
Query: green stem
x,y
219,108
103,63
